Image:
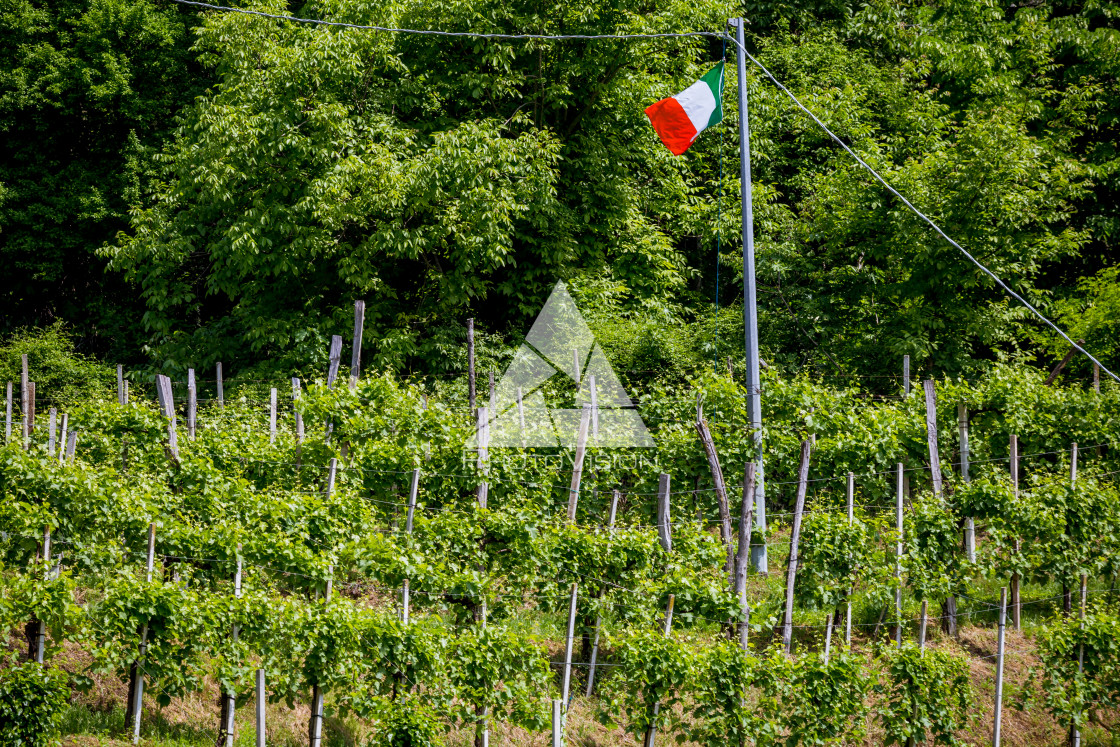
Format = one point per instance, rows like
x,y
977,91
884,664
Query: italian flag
x,y
679,119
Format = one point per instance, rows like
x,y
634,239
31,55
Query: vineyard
x,y
333,562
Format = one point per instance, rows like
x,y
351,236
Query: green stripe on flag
x,y
714,79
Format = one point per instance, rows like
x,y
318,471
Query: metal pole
x,y
750,306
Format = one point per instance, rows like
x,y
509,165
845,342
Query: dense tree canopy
x,y
439,178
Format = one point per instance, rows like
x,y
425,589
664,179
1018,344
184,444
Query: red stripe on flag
x,y
672,125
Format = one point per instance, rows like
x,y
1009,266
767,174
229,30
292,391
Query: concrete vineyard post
x,y
599,617
23,403
192,404
8,415
1016,606
997,717
577,463
664,528
906,376
557,722
482,431
272,417
898,556
413,490
922,629
743,553
471,393
220,384
52,424
969,522
931,435
594,406
62,438
260,703
850,495
651,732
120,385
567,677
795,536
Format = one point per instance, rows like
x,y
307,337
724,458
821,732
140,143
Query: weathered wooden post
x,y
221,385
898,557
720,487
851,499
356,351
413,489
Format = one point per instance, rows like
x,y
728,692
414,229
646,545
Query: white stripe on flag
x,y
698,103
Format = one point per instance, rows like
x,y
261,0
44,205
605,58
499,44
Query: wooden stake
x,y
192,404
851,496
664,530
576,367
120,385
471,394
795,537
334,360
999,666
743,553
62,438
969,522
721,489
167,408
599,618
41,637
356,351
1062,364
906,375
71,446
1016,607
567,678
577,463
931,435
1096,378
898,558
8,415
221,388
272,417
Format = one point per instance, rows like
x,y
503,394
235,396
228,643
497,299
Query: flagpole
x,y
750,306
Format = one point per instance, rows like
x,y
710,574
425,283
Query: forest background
x,y
180,187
